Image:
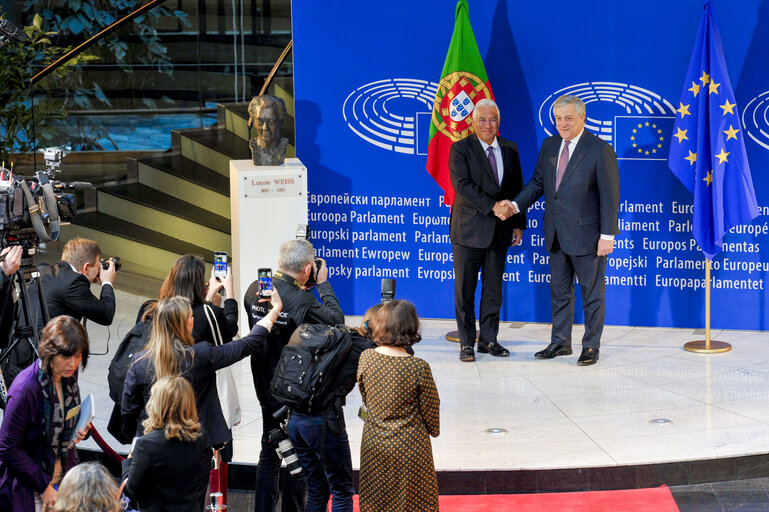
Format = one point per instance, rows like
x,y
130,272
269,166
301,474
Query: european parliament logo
x,y
394,114
636,121
755,119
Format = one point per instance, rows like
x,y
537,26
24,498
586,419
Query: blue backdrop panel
x,y
365,77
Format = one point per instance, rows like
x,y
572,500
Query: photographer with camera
x,y
298,269
67,284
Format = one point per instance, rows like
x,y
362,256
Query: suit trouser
x,y
468,261
590,270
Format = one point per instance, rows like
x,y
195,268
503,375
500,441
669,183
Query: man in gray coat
x,y
578,175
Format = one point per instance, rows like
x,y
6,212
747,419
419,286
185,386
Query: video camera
x,y
33,208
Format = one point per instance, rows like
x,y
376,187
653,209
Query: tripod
x,y
25,333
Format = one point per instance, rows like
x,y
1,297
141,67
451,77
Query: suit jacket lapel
x,y
579,153
481,155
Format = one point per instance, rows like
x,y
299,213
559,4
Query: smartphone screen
x,y
265,282
220,264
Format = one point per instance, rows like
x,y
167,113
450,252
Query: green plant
x,y
27,116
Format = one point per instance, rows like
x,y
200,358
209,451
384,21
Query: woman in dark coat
x,y
171,350
188,279
160,471
37,435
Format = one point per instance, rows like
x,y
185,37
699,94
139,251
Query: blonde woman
x,y
88,487
161,469
172,351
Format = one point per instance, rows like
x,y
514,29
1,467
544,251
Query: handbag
x,y
225,381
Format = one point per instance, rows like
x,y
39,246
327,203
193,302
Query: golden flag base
x,y
707,346
703,347
454,336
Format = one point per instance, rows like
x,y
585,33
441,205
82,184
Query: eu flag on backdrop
x,y
707,149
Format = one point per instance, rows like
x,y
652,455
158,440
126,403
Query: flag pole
x,y
707,346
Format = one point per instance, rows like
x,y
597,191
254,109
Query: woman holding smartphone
x,y
171,350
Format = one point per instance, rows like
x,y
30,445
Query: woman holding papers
x,y
38,435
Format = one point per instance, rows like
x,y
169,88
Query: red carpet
x,y
657,499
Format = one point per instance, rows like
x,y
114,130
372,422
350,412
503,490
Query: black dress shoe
x,y
552,351
466,354
589,356
493,348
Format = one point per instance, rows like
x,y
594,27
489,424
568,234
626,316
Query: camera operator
x,y
296,265
67,284
8,266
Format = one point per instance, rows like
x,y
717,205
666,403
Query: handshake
x,y
504,209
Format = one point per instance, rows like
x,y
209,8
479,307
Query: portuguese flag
x,y
463,84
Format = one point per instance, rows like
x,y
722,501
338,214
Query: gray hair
x,y
294,255
485,102
87,487
570,99
273,102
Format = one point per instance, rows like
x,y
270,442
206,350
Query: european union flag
x,y
707,149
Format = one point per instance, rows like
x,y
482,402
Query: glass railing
x,y
165,70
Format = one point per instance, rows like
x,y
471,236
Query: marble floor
x,y
553,413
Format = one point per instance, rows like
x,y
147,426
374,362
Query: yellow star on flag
x,y
731,133
681,135
722,156
683,110
705,78
708,178
728,107
713,87
695,88
692,158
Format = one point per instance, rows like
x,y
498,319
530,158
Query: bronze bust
x,y
266,115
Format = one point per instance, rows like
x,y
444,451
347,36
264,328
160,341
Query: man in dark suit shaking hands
x,y
577,172
486,173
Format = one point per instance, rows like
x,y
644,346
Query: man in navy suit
x,y
577,172
486,173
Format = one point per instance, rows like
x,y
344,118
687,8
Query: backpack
x,y
307,364
133,342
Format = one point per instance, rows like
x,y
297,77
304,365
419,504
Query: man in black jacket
x,y
485,172
296,264
67,284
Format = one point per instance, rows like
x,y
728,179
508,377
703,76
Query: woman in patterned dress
x,y
397,472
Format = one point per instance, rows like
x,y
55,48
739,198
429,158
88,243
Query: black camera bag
x,y
304,373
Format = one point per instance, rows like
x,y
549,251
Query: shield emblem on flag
x,y
461,107
455,101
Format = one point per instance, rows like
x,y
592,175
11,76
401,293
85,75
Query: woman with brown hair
x,y
37,436
397,472
162,467
171,350
187,278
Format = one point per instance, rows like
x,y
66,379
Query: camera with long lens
x,y
283,445
32,209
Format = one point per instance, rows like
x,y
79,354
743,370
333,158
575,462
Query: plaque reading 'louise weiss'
x,y
273,186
